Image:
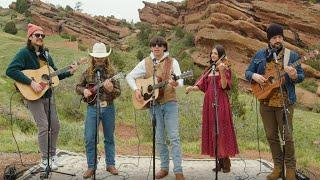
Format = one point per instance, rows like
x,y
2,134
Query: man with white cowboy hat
x,y
107,93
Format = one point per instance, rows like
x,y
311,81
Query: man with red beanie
x,y
271,108
33,57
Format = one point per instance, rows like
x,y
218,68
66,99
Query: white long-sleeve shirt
x,y
140,70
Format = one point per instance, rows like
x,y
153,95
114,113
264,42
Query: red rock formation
x,y
239,25
83,26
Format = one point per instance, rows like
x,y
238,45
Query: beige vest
x,y
164,70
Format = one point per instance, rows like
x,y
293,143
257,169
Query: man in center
x,y
166,108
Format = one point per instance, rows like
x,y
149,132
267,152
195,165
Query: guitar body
x,y
145,86
40,76
264,91
93,88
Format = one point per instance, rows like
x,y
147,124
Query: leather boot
x,y
218,168
161,174
88,174
179,176
290,174
275,174
112,170
226,164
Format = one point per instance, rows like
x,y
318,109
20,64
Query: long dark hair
x,y
220,50
31,47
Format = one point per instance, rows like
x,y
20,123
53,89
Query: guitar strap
x,y
286,57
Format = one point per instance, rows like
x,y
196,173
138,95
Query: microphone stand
x,y
154,123
285,123
98,81
215,106
48,169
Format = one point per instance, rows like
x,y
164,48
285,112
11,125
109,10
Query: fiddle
x,y
208,70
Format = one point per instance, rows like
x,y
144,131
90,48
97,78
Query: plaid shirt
x,y
87,79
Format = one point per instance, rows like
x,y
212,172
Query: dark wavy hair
x,y
160,41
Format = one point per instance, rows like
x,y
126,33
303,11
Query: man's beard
x,y
277,46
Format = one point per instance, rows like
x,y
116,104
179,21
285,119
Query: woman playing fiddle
x,y
227,143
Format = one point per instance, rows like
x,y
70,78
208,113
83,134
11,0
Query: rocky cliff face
x,y
240,25
84,27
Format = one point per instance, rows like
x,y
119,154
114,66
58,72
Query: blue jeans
x,y
107,117
167,119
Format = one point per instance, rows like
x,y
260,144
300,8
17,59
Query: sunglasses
x,y
155,44
37,35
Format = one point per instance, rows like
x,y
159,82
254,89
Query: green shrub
x,y
22,6
117,60
27,13
68,9
310,85
179,32
69,37
314,63
82,46
140,55
237,106
10,28
144,34
189,40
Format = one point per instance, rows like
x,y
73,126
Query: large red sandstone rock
x,y
239,25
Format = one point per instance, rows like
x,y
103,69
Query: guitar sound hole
x,y
146,96
45,77
149,89
271,80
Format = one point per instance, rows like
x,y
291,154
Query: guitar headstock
x,y
312,54
119,75
183,75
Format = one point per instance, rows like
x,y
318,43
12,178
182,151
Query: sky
x,y
121,9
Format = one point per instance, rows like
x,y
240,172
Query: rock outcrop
x,y
240,25
84,27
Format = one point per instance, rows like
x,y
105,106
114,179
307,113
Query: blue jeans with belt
x,y
107,117
167,122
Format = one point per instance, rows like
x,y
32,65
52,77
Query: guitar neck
x,y
164,83
96,87
60,71
295,64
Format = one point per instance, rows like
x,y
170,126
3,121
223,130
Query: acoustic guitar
x,y
146,87
93,88
273,82
42,77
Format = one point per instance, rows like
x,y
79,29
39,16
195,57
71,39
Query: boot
x,y
179,176
218,168
290,174
88,174
275,174
226,164
161,174
112,170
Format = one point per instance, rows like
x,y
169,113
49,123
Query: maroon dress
x,y
227,143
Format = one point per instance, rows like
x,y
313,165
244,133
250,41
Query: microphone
x,y
275,57
154,60
98,71
45,53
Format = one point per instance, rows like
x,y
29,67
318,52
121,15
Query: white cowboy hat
x,y
99,50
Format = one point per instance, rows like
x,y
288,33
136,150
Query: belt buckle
x,y
103,104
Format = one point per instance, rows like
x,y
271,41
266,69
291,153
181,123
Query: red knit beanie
x,y
32,28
